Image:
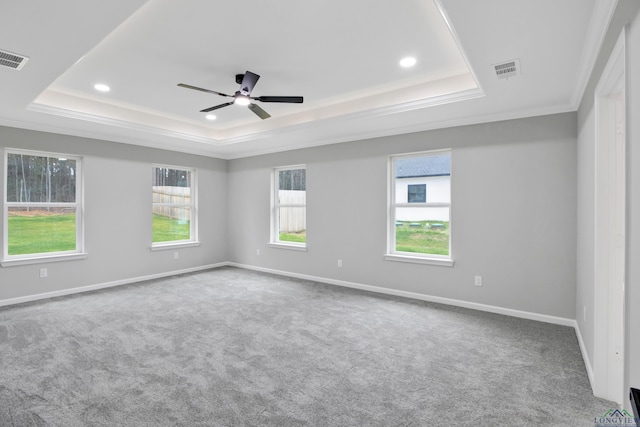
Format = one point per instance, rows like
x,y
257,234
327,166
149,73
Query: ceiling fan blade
x,y
259,111
293,99
206,110
248,82
203,90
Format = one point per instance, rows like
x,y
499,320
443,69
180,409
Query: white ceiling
x,y
342,56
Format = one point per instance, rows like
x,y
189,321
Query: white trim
x,y
218,138
456,38
403,129
89,288
290,246
192,206
608,369
377,289
585,353
392,205
216,151
386,291
123,124
598,26
43,259
174,245
414,295
275,241
446,262
6,259
96,133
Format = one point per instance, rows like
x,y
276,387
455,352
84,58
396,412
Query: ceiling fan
x,y
243,96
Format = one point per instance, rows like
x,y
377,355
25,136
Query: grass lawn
x,y
41,233
421,239
35,234
300,237
166,229
57,233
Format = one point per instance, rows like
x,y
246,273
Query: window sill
x,y
286,246
43,259
445,262
177,245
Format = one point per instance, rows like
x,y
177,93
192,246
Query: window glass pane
x,y
430,172
171,223
41,230
39,179
292,197
417,193
293,224
166,177
172,201
172,195
292,179
422,230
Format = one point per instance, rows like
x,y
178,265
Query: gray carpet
x,y
230,347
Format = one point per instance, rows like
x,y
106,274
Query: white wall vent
x,y
12,60
507,69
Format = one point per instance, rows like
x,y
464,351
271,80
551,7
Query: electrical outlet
x,y
43,273
257,251
584,313
478,281
340,263
176,255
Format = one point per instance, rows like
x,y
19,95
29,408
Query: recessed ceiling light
x,y
102,87
407,62
210,117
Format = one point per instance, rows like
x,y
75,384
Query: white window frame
x,y
78,253
275,210
392,254
193,205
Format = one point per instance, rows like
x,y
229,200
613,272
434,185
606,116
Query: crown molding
x,y
600,19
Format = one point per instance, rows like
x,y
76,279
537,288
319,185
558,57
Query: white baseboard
x,y
423,297
63,292
448,301
378,289
585,355
388,291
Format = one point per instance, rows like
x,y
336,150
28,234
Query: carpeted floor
x,y
230,347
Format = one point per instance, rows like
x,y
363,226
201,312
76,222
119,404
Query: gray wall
x,y
513,214
118,215
626,14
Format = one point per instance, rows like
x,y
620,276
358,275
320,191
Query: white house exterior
x,y
419,182
438,190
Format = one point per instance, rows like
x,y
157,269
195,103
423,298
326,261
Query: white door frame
x,y
610,228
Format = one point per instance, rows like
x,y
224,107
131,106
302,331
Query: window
x,y
417,193
174,206
289,207
419,221
42,206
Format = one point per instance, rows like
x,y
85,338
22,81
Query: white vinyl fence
x,y
293,219
175,196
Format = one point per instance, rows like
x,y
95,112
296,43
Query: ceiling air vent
x,y
507,69
12,60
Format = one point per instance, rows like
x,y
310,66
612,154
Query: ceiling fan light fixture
x,y
242,100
